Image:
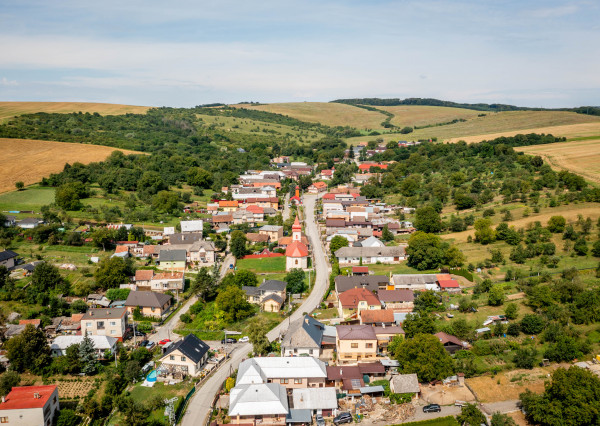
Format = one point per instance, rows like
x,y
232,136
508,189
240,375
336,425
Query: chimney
x,y
36,395
3,399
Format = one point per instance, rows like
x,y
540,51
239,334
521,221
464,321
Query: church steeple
x,y
296,230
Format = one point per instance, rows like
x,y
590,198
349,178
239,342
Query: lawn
x,y
440,421
143,395
32,198
263,265
400,268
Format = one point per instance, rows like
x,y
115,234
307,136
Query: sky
x,y
184,53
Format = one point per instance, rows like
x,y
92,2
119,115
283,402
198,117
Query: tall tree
x,y
9,380
112,272
87,356
425,356
29,351
238,244
427,219
337,243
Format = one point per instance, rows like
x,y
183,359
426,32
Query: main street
x,y
201,404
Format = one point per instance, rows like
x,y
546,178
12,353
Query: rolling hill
x,y
11,109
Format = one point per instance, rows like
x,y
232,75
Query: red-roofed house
x,y
327,174
228,206
296,253
168,281
360,270
143,277
352,301
379,317
317,187
30,405
451,343
450,286
328,196
122,249
35,322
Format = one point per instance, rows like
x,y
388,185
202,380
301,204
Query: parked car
x,y
143,343
432,408
320,420
228,340
139,333
244,339
343,418
164,342
150,345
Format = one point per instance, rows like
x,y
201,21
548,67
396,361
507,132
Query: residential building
x,y
355,343
181,238
274,232
290,372
397,300
255,237
451,343
9,221
379,317
296,253
370,255
150,303
303,337
229,206
373,283
265,403
350,378
29,223
317,187
30,405
318,400
8,259
370,242
405,383
142,278
168,281
172,260
185,357
449,285
110,322
102,344
415,282
352,301
270,294
385,334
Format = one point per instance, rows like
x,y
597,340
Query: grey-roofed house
x,y
271,303
10,221
172,260
150,303
29,223
181,238
397,300
185,357
303,337
188,226
405,383
8,259
415,282
370,255
372,283
257,295
264,402
274,232
318,400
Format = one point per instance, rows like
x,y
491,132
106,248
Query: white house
x,y
370,255
186,356
191,226
30,405
101,343
371,242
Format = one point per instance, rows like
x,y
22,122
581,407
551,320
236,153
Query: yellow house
x,y
172,260
151,304
271,303
356,343
352,301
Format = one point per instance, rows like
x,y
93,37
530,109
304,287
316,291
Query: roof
x,y
7,254
168,276
284,241
390,329
180,238
273,285
356,332
226,203
296,249
337,372
315,398
144,274
258,399
147,299
271,228
298,416
148,249
305,332
100,342
376,316
23,397
319,185
371,389
167,255
360,269
351,384
103,313
335,223
414,279
448,338
370,282
350,298
371,367
256,237
35,322
273,297
391,296
395,251
405,383
222,218
257,370
449,283
296,226
191,225
255,209
191,346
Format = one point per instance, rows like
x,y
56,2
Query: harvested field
x,y
75,389
10,109
330,114
29,160
511,384
581,157
446,395
422,115
582,130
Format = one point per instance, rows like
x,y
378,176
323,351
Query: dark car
x,y
143,343
228,340
320,420
343,418
432,408
139,333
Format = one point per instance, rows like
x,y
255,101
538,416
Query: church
x,y
296,253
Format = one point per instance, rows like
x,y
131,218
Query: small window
x,y
113,331
369,345
183,358
88,324
297,381
3,419
284,381
113,323
354,345
172,357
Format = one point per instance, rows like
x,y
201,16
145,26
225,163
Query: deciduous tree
x,y
424,355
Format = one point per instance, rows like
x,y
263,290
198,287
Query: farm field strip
x,y
421,115
10,109
29,160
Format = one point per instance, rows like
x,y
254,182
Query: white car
x,y
244,339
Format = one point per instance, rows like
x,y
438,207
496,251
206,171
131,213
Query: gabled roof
x,y
172,256
449,284
270,228
392,296
273,285
100,342
319,185
191,346
255,209
273,297
104,313
180,238
191,225
255,237
226,203
148,299
296,249
24,397
7,254
144,274
448,338
168,276
258,399
370,282
260,369
305,332
315,398
356,332
378,316
406,383
350,298
395,251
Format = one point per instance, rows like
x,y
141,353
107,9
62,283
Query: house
x,y
272,303
173,260
317,187
449,285
355,343
110,322
150,303
29,223
97,300
224,219
101,344
370,255
397,300
405,383
415,282
360,271
303,337
257,212
274,232
202,253
30,405
451,343
255,237
8,259
318,400
250,404
9,221
168,281
370,242
142,278
380,317
296,253
181,238
352,301
350,378
229,206
290,372
327,174
373,283
385,334
257,295
185,357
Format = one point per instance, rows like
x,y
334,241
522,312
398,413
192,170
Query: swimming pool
x,y
151,377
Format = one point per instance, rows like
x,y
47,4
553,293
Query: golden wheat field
x,y
29,160
422,115
11,109
330,114
581,157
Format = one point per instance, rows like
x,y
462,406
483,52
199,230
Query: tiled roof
x,y
449,284
147,299
377,316
356,332
447,338
296,249
144,274
350,298
24,397
391,296
168,276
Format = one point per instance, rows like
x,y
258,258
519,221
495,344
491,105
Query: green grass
x,y
440,421
400,268
267,264
32,198
142,395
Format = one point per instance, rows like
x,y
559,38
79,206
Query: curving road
x,y
201,404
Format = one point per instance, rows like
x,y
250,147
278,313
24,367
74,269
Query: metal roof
x,y
258,399
315,398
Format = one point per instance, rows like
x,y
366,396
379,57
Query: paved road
x,y
449,410
166,330
200,406
508,406
286,208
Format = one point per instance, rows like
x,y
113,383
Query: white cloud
x,y
6,82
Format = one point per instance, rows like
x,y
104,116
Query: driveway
x,y
201,404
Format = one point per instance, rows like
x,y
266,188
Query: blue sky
x,y
530,53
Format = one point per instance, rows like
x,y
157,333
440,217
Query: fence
x,y
183,404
